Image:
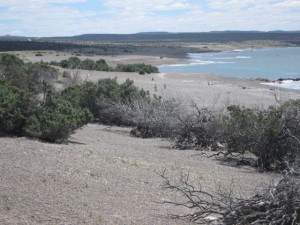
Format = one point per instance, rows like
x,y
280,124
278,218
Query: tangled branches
x,y
277,204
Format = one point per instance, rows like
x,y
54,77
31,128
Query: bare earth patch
x,y
103,176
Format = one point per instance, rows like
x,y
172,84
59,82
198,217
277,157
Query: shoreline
x,y
30,56
280,82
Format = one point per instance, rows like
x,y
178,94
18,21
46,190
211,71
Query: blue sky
x,y
73,17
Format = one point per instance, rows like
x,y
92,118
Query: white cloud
x,y
59,18
153,5
292,4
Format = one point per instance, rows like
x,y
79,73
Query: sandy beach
x,y
105,176
206,90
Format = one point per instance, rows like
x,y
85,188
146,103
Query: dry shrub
x,y
197,129
151,118
277,204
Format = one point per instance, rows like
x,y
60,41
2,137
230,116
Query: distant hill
x,y
214,36
84,42
14,38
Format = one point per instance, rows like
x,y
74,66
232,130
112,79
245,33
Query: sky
x,y
40,18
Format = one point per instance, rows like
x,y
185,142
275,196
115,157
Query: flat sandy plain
x,y
105,176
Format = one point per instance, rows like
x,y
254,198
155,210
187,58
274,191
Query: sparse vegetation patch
x,y
101,65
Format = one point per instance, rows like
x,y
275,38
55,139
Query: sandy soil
x,y
105,176
206,90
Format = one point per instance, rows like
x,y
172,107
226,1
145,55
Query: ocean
x,y
269,63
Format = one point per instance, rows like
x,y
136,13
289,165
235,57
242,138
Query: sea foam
x,y
290,84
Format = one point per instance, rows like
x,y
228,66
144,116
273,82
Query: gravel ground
x,y
104,176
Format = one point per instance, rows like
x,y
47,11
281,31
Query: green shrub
x,y
98,97
87,64
56,119
15,106
101,65
242,128
273,135
9,60
74,63
27,76
138,68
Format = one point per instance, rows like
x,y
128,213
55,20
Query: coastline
x,y
196,60
206,90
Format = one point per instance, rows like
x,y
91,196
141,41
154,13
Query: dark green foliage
x,y
138,68
83,96
56,119
15,106
101,65
72,63
87,64
241,129
27,76
273,136
9,60
98,97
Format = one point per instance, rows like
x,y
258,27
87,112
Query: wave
x,y
203,62
236,57
243,57
197,62
286,84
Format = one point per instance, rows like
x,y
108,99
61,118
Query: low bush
x,y
241,129
138,68
27,76
99,97
15,106
273,135
155,118
87,64
101,65
56,119
197,129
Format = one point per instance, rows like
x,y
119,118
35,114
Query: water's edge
x,y
276,67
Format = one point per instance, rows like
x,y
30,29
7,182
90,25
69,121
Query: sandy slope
x,y
103,176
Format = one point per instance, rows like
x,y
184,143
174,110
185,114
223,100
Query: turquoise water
x,y
272,63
